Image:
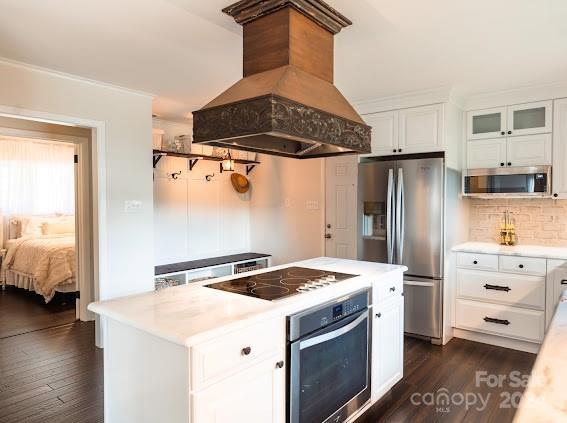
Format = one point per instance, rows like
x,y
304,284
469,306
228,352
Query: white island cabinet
x,y
201,355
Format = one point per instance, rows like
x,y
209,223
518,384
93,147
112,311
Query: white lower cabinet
x,y
387,344
254,395
503,295
556,284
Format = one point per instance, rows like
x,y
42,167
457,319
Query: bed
x,y
39,254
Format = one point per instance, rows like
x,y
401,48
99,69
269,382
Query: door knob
x,y
328,236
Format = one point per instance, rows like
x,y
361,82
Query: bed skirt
x,y
25,281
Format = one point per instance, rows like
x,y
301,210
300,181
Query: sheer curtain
x,y
36,177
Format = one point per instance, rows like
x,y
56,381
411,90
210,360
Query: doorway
x,y
46,243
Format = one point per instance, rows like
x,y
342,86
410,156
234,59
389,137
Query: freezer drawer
x,y
422,306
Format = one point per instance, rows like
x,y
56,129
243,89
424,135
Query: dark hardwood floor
x,y
55,375
22,311
51,375
430,371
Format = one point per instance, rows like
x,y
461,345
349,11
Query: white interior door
x,y
341,175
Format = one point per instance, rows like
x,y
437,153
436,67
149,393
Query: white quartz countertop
x,y
192,313
545,399
559,253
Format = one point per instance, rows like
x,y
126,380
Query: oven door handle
x,y
334,334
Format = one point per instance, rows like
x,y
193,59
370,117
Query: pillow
x,y
30,225
53,227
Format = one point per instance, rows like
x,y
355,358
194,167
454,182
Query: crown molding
x,y
444,94
76,78
519,95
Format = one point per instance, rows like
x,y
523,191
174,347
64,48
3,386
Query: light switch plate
x,y
312,205
132,206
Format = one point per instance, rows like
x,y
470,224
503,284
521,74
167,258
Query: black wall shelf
x,y
194,158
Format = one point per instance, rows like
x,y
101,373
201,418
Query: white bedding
x,y
45,263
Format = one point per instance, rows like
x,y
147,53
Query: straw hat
x,y
240,182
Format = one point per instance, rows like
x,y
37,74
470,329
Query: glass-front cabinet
x,y
520,119
487,123
530,118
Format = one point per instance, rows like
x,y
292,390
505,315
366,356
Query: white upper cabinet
x,y
530,118
529,150
486,153
509,121
414,130
421,129
384,132
559,186
487,123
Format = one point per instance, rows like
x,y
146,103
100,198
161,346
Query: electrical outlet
x,y
132,206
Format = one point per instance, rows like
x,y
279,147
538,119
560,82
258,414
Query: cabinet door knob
x,y
475,262
502,164
379,315
509,163
502,133
521,266
246,350
509,132
395,150
556,195
392,289
280,364
399,150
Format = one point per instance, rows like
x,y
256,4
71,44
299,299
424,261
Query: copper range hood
x,y
286,103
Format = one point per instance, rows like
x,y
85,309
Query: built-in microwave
x,y
532,181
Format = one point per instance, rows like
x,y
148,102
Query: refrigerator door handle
x,y
389,217
400,215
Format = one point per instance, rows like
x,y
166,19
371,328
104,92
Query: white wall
x,y
280,223
128,237
195,218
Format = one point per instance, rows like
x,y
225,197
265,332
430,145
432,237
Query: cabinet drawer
x,y
231,352
502,320
477,261
523,265
519,290
384,290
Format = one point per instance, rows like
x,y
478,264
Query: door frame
x,y
97,171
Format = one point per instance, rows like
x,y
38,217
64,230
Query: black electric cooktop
x,y
281,283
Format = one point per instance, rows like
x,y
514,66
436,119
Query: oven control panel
x,y
310,320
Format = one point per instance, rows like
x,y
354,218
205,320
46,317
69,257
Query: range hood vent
x,y
286,104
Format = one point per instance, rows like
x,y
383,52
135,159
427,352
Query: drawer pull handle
x,y
521,266
499,321
280,364
563,281
246,351
498,288
475,262
392,289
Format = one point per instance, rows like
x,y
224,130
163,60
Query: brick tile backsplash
x,y
538,221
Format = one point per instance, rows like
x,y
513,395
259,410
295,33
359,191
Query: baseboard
x,y
499,341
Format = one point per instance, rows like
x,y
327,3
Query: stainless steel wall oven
x,y
329,356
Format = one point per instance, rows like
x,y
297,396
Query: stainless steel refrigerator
x,y
401,221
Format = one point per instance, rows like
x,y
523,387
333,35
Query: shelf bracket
x,y
249,169
157,158
192,163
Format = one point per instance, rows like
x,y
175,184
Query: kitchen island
x,y
197,354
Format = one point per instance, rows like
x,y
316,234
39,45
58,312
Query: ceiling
x,y
186,51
